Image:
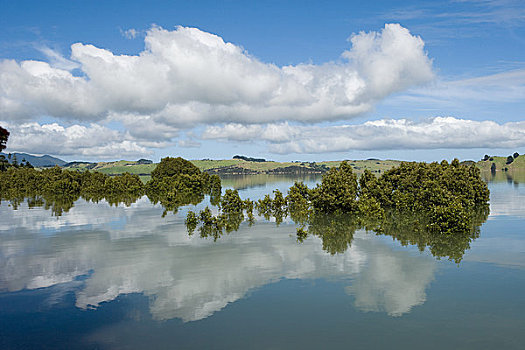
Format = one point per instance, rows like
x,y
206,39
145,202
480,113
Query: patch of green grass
x,y
359,166
80,167
212,163
132,169
256,166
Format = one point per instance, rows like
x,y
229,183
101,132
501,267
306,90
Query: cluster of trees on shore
x,y
175,182
250,159
12,162
437,205
58,189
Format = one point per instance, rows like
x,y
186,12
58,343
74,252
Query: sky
x,y
282,80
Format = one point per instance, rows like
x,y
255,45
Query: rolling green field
x,y
256,166
223,166
119,167
376,166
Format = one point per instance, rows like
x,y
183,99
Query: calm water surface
x,y
103,277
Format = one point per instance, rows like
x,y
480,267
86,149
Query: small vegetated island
x,y
439,206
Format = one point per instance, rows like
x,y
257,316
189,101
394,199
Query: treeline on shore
x,y
174,182
437,205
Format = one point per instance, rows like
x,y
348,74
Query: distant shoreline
x,y
238,166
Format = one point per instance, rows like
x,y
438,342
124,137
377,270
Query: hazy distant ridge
x,y
37,161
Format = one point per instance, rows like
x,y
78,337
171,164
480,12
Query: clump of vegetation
x,y
58,189
248,206
437,205
191,222
442,192
176,182
298,202
337,191
275,207
4,136
229,218
440,203
250,159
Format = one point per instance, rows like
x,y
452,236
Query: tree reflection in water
x,y
336,230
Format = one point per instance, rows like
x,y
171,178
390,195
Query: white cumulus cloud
x,y
386,134
187,76
92,141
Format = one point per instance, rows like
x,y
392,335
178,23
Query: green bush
x,y
337,191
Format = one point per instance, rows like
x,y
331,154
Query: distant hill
x,y
139,167
502,163
144,167
79,164
37,161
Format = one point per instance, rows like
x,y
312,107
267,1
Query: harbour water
x,y
124,277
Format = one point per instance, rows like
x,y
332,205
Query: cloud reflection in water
x,y
132,249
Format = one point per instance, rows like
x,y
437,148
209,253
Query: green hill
x,y
113,168
501,164
237,166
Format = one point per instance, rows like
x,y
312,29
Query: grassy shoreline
x,y
235,166
239,166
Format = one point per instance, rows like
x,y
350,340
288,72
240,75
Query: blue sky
x,y
421,80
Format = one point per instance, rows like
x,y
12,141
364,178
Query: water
x,y
105,277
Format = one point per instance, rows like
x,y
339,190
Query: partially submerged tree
x,y
337,191
4,135
176,182
169,167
